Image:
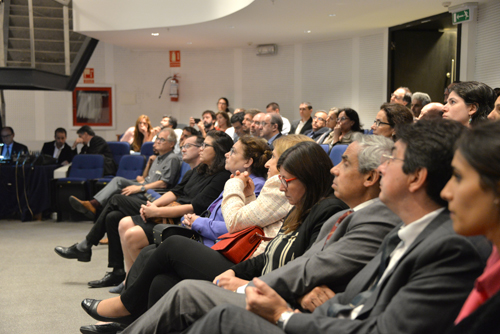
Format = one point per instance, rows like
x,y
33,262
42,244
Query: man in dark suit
x,y
318,125
418,281
271,126
10,147
346,242
93,144
303,124
58,149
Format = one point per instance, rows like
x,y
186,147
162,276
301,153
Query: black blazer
x,y
305,128
16,148
66,153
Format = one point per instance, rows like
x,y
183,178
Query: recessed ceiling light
x,y
155,34
307,31
189,43
332,15
231,27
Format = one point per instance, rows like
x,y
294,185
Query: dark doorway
x,y
423,55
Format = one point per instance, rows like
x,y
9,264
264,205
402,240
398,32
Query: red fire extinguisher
x,y
174,88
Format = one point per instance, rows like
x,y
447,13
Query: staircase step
x,y
42,33
45,22
40,56
44,45
38,3
38,11
50,67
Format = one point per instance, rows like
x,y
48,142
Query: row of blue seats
x,y
120,149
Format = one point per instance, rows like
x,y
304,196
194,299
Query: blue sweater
x,y
214,226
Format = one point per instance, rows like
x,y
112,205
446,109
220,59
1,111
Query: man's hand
x,y
229,281
77,141
316,298
228,273
191,122
139,179
265,302
131,190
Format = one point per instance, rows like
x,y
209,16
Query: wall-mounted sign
x,y
462,13
461,16
175,58
88,75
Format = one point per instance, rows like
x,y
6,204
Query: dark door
x,y
423,56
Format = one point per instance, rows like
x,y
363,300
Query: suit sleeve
x,y
427,300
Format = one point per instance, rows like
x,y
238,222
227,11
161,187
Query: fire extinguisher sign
x,y
175,58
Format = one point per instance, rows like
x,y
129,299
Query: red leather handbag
x,y
240,246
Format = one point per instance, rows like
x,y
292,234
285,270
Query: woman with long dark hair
x,y
473,195
305,179
347,124
389,116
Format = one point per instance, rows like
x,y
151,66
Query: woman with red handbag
x,y
304,178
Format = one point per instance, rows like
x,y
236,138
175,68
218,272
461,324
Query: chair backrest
x,y
147,149
89,166
326,147
119,149
131,166
184,168
336,153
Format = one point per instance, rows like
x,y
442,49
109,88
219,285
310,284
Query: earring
x,y
496,201
470,119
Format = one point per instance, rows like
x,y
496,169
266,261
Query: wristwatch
x,y
143,188
284,319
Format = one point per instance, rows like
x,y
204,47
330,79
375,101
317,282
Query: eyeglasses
x,y
6,136
231,151
396,97
204,145
256,123
319,119
341,119
389,158
285,182
377,123
161,140
188,146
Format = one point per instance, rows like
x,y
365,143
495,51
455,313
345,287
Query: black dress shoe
x,y
72,252
111,328
90,306
110,279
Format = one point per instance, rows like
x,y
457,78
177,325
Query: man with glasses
x,y
402,95
272,125
303,124
318,125
10,147
191,150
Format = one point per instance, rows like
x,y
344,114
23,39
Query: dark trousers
x,y
177,258
118,207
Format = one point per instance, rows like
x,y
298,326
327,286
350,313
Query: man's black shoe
x,y
72,252
110,279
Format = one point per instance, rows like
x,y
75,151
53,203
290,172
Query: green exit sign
x,y
461,16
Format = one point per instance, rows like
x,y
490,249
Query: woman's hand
x,y
336,133
143,128
189,219
249,186
149,210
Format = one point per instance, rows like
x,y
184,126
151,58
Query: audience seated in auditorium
x,y
347,125
469,102
331,122
206,123
389,117
306,183
161,172
272,126
318,125
223,105
58,149
238,123
402,95
224,124
273,107
418,101
247,154
303,124
415,286
93,144
473,198
346,242
431,111
11,147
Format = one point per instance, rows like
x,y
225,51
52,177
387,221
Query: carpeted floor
x,y
40,292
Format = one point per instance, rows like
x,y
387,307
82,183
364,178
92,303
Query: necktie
x,y
337,223
387,249
7,153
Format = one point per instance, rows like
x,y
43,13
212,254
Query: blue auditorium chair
x,y
336,153
119,149
130,167
147,149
